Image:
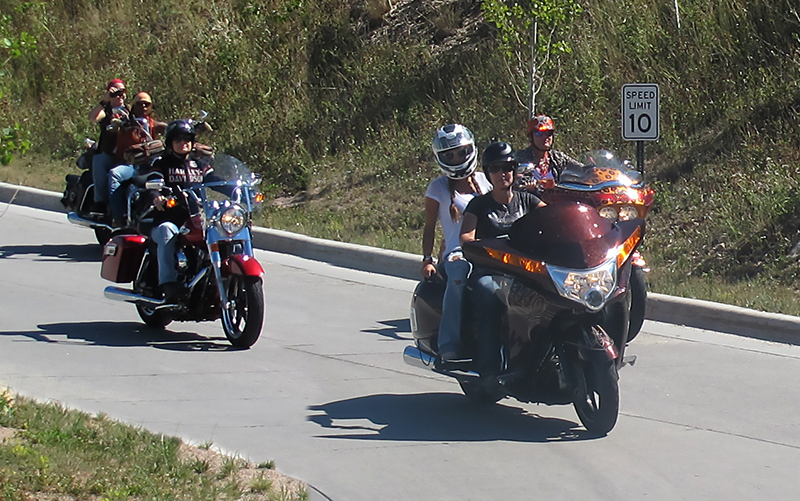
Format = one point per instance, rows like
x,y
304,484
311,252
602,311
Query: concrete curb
x,y
662,308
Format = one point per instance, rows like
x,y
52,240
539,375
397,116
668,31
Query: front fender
x,y
242,264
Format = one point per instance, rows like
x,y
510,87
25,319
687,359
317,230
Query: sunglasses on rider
x,y
118,93
501,167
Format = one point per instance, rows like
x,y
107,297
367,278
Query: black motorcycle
x,y
78,197
563,275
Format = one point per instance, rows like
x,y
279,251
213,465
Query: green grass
x,y
51,452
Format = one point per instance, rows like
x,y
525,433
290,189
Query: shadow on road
x,y
438,417
83,253
393,329
122,334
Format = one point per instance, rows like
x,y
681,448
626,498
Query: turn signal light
x,y
526,264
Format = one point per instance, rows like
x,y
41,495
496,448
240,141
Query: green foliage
x,y
334,101
13,45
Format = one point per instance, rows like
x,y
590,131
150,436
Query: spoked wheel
x,y
477,392
146,284
638,301
243,316
597,395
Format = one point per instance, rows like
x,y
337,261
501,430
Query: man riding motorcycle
x,y
180,170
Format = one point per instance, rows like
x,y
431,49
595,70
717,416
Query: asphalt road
x,y
326,395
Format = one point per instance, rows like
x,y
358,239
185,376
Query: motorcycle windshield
x,y
237,184
601,169
567,234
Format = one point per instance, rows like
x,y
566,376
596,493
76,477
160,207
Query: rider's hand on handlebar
x,y
428,270
160,202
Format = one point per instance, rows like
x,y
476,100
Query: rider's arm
x,y
428,235
468,227
98,113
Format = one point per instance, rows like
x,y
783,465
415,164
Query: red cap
x,y
115,83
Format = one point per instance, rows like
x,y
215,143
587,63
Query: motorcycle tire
x,y
102,235
477,393
597,395
147,282
243,318
638,287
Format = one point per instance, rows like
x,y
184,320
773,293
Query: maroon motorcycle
x,y
215,262
563,275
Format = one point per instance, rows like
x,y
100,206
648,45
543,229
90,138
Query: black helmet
x,y
178,128
497,152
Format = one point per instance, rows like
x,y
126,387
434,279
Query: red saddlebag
x,y
122,256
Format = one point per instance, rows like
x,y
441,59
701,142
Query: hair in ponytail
x,y
455,215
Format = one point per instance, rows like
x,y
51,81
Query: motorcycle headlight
x,y
609,213
232,220
588,287
628,212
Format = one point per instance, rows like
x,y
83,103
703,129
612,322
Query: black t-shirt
x,y
494,219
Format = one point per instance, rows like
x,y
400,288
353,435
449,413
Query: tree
x,y
531,27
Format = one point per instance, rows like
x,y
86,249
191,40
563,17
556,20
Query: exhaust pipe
x,y
128,296
418,358
415,357
74,218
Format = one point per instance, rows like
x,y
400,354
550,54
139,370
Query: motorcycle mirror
x,y
203,115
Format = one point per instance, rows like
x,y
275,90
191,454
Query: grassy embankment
x,y
335,101
48,452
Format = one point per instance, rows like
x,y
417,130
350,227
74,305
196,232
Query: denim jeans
x,y
165,235
116,196
456,270
490,311
101,164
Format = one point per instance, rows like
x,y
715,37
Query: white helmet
x,y
454,149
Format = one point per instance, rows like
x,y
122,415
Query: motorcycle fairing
x,y
242,264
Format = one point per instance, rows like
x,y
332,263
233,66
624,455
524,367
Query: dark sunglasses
x,y
501,167
544,132
119,93
144,103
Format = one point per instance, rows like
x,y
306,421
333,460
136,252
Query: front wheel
x,y
243,316
638,287
597,395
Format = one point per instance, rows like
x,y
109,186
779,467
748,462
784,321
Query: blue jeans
x,y
165,235
490,312
101,164
116,196
456,270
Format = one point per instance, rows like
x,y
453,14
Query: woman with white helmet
x,y
446,198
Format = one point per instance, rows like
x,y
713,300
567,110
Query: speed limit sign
x,y
640,110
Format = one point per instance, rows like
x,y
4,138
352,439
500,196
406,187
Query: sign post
x,y
640,116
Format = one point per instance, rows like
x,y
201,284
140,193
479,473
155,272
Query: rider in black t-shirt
x,y
489,216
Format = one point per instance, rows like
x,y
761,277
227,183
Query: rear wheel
x,y
477,392
243,316
146,284
597,395
102,235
